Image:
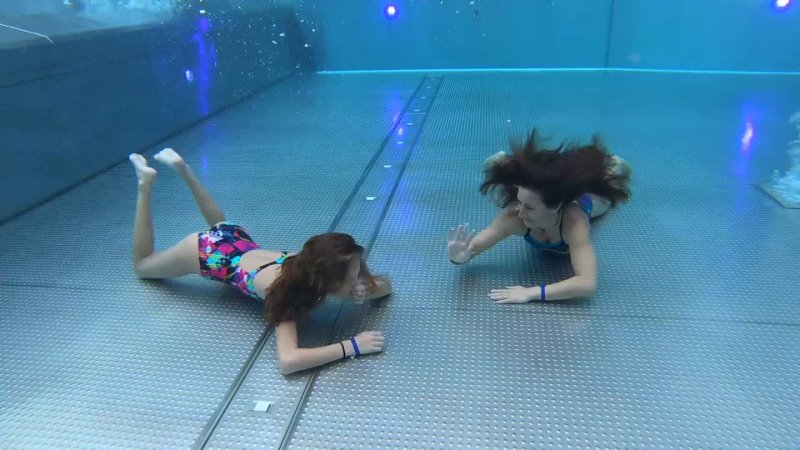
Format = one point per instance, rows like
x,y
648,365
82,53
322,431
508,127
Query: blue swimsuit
x,y
585,202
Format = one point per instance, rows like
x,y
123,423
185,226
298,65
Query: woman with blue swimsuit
x,y
290,285
549,197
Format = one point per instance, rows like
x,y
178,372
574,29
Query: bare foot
x,y
171,158
621,167
144,173
494,160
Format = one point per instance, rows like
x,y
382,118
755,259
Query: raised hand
x,y
458,244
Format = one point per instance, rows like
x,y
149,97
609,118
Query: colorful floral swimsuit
x,y
221,248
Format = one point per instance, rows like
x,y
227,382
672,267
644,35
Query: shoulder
x,y
576,224
508,221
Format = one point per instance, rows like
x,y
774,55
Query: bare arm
x,y
584,264
359,293
292,358
383,287
582,256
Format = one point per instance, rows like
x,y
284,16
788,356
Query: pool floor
x,y
691,340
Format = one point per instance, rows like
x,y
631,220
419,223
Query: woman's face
x,y
532,210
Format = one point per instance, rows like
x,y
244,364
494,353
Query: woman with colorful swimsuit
x,y
290,285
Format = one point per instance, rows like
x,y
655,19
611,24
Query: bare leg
x,y
181,259
143,222
208,207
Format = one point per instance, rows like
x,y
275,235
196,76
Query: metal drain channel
x,y
210,429
428,82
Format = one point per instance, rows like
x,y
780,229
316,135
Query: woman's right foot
x,y
171,158
494,160
144,173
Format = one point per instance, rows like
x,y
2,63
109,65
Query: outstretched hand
x,y
458,243
513,294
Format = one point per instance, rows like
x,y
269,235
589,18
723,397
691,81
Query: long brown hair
x,y
306,278
560,175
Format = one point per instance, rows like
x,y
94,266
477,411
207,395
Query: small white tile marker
x,y
371,198
262,406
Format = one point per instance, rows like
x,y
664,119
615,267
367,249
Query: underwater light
x,y
747,139
783,4
390,11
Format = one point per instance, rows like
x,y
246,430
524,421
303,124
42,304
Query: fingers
x,y
502,299
455,233
359,291
505,295
505,291
371,341
371,335
459,233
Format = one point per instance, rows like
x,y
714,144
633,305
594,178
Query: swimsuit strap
x,y
547,245
277,261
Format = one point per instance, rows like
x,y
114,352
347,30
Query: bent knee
x,y
144,271
178,260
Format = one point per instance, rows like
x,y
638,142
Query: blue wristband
x,y
543,299
355,347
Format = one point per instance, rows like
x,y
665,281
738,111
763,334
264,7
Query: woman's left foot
x,y
171,158
144,173
621,167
